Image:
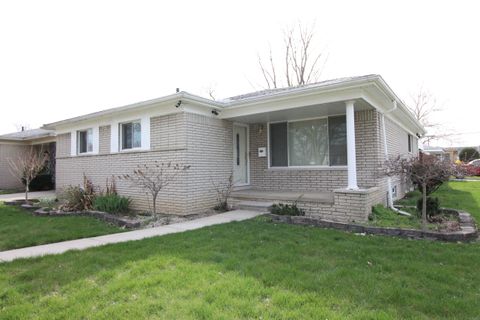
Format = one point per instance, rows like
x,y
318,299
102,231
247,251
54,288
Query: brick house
x,y
323,142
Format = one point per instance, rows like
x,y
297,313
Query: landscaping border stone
x,y
467,233
107,217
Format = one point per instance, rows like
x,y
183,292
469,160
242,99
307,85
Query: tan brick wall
x,y
104,139
208,150
9,151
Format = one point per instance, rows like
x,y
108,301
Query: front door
x,y
240,155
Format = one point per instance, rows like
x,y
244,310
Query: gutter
x,y
385,148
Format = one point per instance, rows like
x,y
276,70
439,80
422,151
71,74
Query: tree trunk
x,y
155,206
27,188
424,207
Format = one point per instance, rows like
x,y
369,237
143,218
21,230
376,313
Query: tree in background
x,y
300,62
468,154
425,107
27,166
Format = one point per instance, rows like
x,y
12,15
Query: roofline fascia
x,y
184,96
301,91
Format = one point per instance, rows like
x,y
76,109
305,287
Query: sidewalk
x,y
80,244
31,195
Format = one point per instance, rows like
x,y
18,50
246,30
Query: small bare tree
x,y
154,179
426,172
223,190
302,62
27,166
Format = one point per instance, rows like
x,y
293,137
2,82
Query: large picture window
x,y
84,141
316,142
131,135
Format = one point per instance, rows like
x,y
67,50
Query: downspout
x,y
385,148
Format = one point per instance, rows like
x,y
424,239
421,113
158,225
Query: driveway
x,y
31,195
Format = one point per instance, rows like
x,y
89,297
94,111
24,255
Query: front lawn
x,y
249,270
463,195
19,228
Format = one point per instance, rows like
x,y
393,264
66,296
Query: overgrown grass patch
x,y
19,228
249,270
386,217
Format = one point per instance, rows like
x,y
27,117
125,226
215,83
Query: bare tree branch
x,y
302,63
425,108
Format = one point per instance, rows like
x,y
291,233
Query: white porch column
x,y
351,155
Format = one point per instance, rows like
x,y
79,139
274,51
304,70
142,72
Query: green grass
x,y
249,270
19,228
385,217
462,195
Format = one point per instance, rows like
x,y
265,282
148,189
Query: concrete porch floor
x,y
257,194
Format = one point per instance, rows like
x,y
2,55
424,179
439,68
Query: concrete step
x,y
260,206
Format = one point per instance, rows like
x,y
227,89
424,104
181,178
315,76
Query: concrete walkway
x,y
80,244
31,195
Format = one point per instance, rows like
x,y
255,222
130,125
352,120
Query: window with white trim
x,y
131,135
315,142
84,141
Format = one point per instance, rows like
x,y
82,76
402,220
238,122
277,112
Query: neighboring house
x,y
326,141
439,152
447,154
12,146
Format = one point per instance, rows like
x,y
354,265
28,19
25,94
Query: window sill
x,y
133,150
319,168
85,154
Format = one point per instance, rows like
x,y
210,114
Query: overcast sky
x,y
60,59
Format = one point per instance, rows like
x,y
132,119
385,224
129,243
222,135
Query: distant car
x,y
475,163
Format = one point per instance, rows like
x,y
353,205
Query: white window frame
x,y
329,167
89,131
120,135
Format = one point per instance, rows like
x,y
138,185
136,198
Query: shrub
x,y
72,198
78,199
223,190
287,209
112,203
433,206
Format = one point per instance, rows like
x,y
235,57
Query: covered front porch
x,y
314,148
322,156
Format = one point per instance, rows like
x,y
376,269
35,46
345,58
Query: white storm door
x,y
240,155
